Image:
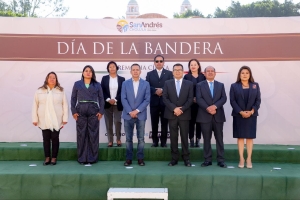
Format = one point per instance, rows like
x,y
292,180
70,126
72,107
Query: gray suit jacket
x,y
185,99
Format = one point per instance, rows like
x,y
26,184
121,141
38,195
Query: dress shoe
x,y
172,163
187,163
205,164
127,162
154,145
141,162
163,145
119,144
222,164
192,143
53,163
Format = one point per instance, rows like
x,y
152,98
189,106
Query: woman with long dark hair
x,y
50,113
87,106
194,75
112,87
245,101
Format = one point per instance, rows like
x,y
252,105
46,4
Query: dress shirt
x,y
135,86
113,88
159,72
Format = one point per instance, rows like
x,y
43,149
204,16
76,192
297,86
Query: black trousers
x,y
48,137
184,127
87,126
194,113
207,129
157,112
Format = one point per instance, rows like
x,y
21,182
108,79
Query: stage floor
x,y
70,180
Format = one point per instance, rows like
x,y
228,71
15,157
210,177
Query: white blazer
x,y
60,105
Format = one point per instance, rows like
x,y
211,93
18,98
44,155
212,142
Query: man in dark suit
x,y
211,97
178,98
135,97
157,79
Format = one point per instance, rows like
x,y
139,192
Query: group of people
x,y
184,104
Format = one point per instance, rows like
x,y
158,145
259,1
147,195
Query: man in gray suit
x,y
211,97
178,98
135,97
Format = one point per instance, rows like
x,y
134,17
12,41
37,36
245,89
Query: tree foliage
x,y
265,8
34,8
189,13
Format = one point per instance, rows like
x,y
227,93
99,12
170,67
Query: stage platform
x,y
275,174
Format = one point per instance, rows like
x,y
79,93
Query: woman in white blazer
x,y
50,113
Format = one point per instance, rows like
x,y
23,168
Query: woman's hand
x,y
99,116
75,116
34,123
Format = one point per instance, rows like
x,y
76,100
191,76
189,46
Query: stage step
x,y
261,153
70,180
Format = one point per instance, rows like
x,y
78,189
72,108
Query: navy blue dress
x,y
241,125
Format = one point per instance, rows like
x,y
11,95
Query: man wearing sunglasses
x,y
157,79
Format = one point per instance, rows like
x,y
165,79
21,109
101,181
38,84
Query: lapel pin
x,y
254,86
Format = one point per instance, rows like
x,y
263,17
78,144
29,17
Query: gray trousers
x,y
113,116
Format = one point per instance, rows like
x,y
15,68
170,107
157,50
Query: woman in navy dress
x,y
87,106
194,75
245,101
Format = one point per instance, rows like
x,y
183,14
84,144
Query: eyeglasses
x,y
157,61
177,70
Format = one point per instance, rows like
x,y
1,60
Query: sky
x,y
98,9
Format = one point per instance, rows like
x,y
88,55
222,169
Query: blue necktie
x,y
178,88
211,88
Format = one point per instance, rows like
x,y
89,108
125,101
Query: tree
x,y
265,8
189,13
35,8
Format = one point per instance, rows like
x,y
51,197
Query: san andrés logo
x,y
124,26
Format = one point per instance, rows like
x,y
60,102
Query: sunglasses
x,y
157,61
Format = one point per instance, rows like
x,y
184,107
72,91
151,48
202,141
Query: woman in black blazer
x,y
194,75
111,86
245,101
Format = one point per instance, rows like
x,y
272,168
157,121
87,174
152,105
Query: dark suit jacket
x,y
237,98
204,100
184,100
81,93
190,77
156,82
106,92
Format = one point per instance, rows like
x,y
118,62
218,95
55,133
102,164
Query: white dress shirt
x,y
113,88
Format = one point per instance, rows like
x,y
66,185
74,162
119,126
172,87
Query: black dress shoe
x,y
141,162
187,163
205,164
222,164
127,162
172,163
154,145
163,145
53,163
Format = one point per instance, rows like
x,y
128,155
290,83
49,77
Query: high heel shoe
x,y
249,165
110,144
47,162
53,162
119,144
241,166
